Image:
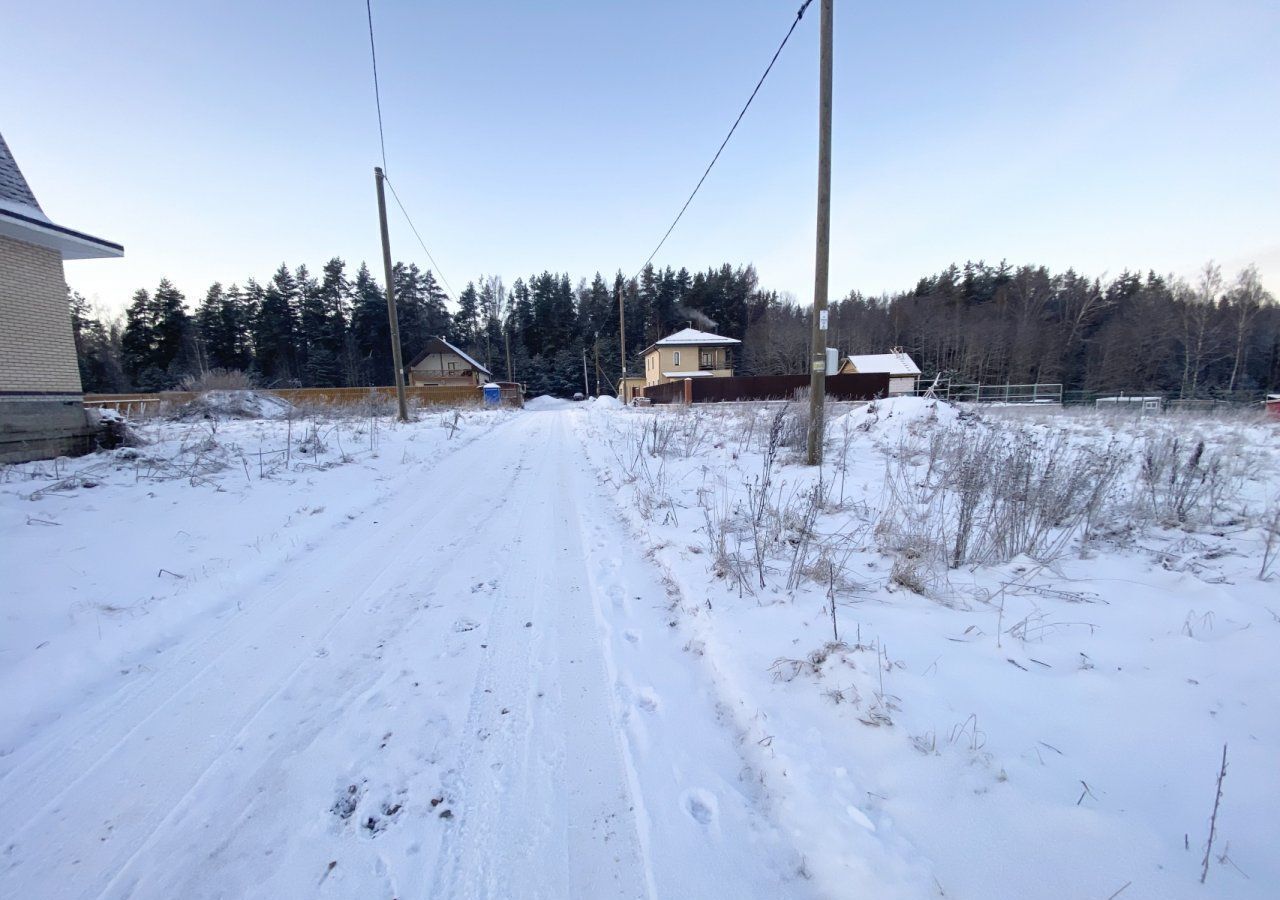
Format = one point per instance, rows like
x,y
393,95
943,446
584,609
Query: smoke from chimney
x,y
695,317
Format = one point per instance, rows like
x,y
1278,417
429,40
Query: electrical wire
x,y
724,143
444,281
377,94
373,54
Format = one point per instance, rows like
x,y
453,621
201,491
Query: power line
x,y
373,54
377,95
408,219
724,143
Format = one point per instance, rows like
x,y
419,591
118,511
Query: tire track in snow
x,y
134,759
602,771
546,808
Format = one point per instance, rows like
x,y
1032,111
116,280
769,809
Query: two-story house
x,y
689,354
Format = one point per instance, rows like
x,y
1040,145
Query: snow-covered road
x,y
471,691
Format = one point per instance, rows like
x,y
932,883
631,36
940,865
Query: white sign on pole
x,y
822,320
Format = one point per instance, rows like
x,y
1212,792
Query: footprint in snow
x,y
376,823
348,800
465,625
647,700
701,805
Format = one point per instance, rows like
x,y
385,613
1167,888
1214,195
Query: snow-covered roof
x,y
433,346
883,363
688,374
692,337
22,219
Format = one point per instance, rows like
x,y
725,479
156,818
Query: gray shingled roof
x,y
13,187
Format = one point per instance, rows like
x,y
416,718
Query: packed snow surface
x,y
546,402
607,652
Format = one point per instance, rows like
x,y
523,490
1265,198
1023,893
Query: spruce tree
x,y
371,334
276,334
236,332
138,341
436,320
172,333
216,351
466,319
332,357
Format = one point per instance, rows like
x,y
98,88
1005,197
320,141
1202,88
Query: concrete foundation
x,y
43,427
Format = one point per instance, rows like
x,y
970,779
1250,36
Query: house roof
x,y
699,374
13,187
691,337
439,344
21,218
884,363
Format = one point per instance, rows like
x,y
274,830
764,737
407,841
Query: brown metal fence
x,y
671,392
768,387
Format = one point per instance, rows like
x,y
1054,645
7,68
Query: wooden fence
x,y
143,406
765,387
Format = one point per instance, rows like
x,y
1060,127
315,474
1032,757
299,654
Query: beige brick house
x,y
688,354
41,413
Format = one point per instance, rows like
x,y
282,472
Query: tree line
x,y
977,323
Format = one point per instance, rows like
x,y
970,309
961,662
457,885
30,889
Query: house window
x,y
675,355
452,366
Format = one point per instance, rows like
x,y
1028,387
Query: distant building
x,y
1127,402
442,364
904,374
630,387
41,400
689,354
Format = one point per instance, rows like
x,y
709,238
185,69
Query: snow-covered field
x,y
1045,719
588,651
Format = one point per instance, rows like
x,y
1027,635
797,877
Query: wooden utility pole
x,y
506,335
818,358
396,360
586,383
597,344
622,344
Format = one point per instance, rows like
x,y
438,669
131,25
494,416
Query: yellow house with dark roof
x,y
689,353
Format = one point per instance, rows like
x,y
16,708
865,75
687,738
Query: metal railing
x,y
993,393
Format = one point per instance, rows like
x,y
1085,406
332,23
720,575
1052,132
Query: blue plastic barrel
x,y
492,395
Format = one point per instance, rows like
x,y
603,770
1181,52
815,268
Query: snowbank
x,y
547,402
892,416
607,402
235,405
100,415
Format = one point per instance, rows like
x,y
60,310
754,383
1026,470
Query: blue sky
x,y
216,141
